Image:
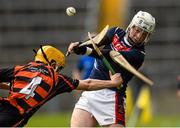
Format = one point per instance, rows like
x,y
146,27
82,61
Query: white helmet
x,y
145,21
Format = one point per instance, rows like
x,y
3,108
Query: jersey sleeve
x,y
66,84
6,74
134,57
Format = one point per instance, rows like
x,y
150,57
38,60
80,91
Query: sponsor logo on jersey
x,y
118,45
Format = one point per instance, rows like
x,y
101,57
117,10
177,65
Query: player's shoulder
x,y
116,29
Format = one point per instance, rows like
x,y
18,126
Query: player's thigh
x,y
82,118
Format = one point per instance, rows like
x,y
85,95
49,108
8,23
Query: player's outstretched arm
x,y
95,84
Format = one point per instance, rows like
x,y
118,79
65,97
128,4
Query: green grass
x,y
164,121
50,120
63,120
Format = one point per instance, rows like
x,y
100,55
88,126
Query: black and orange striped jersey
x,y
34,84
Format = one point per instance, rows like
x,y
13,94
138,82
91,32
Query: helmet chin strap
x,y
133,43
44,55
130,40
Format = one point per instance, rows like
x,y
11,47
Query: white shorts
x,y
105,105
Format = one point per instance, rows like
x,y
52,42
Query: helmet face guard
x,y
137,36
51,56
58,68
144,21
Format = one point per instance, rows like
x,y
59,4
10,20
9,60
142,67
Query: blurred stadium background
x,y
27,24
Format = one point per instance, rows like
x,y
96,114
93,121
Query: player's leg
x,y
82,118
107,107
119,112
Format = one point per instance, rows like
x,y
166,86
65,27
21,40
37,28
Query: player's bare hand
x,y
116,78
71,48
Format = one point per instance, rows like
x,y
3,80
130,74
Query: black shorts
x,y
9,115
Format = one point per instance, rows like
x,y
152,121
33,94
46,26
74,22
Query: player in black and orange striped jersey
x,y
35,83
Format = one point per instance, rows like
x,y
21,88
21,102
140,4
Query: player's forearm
x,y
84,50
93,84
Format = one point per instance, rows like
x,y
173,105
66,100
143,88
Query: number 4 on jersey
x,y
29,89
